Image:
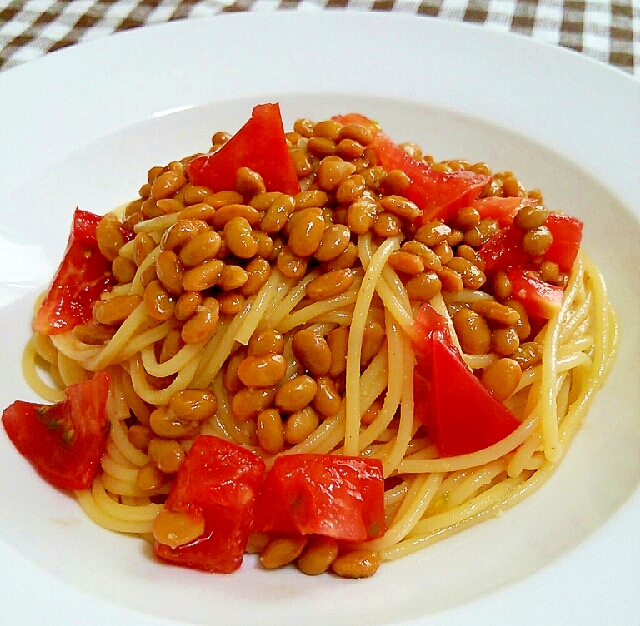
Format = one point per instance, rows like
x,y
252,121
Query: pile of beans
x,y
222,248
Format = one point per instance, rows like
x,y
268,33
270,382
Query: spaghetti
x,y
366,323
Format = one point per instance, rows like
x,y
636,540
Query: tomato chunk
x,y
540,299
460,414
217,481
80,279
64,441
336,496
438,194
503,210
567,235
259,145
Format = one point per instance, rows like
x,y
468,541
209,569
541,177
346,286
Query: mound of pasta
x,y
319,345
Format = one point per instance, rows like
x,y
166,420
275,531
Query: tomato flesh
x,y
540,299
260,145
80,279
460,414
217,481
332,495
567,235
438,194
503,210
64,441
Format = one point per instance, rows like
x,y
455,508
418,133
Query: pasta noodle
x,y
427,497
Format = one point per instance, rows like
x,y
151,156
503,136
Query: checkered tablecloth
x,y
606,30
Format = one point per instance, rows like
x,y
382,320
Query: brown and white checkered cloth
x,y
606,30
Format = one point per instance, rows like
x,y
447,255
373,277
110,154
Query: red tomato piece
x,y
540,299
501,209
218,481
460,414
259,145
567,235
438,194
504,250
64,441
332,495
80,279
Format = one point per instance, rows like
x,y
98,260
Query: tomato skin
x,y
540,299
503,210
567,235
82,276
332,495
64,441
438,194
218,480
460,414
259,145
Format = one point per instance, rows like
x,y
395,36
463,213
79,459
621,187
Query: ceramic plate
x,y
82,126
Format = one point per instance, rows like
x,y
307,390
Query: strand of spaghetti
x,y
341,317
450,464
159,223
465,295
172,365
487,500
116,344
324,438
119,487
224,415
579,316
144,339
405,426
118,434
259,306
117,456
143,513
30,373
71,371
605,323
547,400
160,396
289,301
311,311
356,333
118,471
426,487
394,386
133,400
44,347
217,349
138,283
390,289
74,348
521,456
475,481
88,503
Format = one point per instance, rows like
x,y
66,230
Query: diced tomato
x,y
82,276
332,495
64,441
460,414
218,481
504,250
438,194
567,235
503,210
259,145
540,299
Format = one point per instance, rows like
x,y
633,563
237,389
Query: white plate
x,y
82,126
